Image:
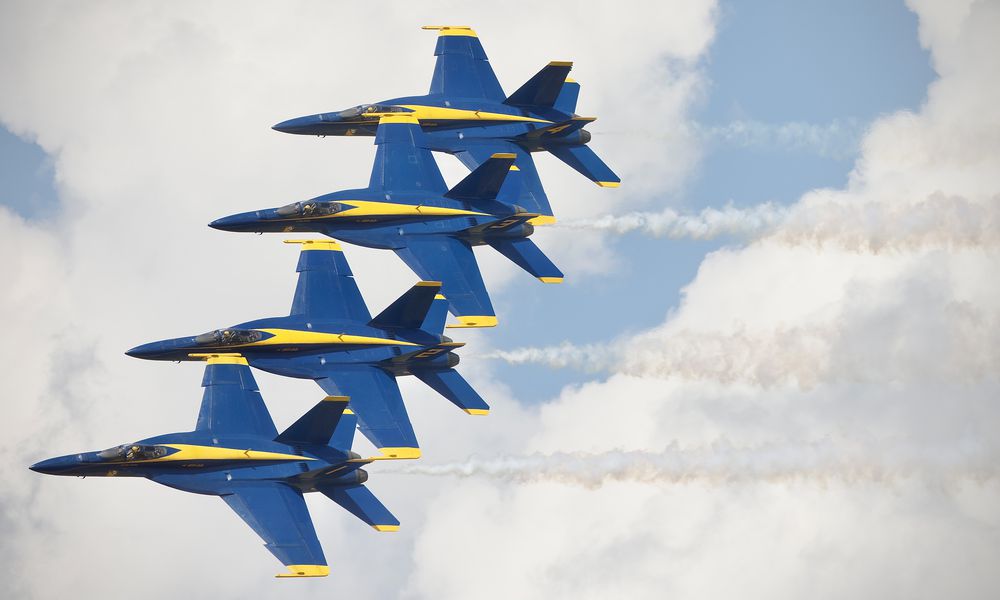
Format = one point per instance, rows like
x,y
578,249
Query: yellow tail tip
x,y
477,411
473,321
543,220
608,184
385,527
306,571
550,279
399,453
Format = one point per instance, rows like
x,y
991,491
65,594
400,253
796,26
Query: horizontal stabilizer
x,y
409,310
450,384
499,225
425,355
542,89
318,425
558,130
362,503
525,254
485,181
584,160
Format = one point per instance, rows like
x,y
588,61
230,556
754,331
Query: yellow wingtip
x,y
550,279
337,399
385,527
608,184
428,284
503,155
317,244
305,571
473,321
452,30
222,358
477,411
560,63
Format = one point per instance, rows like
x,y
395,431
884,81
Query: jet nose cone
x,y
234,222
302,125
175,349
51,466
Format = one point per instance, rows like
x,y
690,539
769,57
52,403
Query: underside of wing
x,y
462,69
402,164
453,263
232,403
530,195
326,286
278,514
376,401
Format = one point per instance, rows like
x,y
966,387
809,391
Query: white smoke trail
x,y
938,220
722,463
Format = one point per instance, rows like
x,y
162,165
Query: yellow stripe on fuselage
x,y
372,208
295,337
441,113
187,452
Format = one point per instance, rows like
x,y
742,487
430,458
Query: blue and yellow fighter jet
x,y
330,337
466,113
235,452
408,208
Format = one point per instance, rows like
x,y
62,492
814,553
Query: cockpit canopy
x,y
228,337
311,208
365,109
128,452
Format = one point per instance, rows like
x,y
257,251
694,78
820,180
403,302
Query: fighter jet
x,y
467,113
235,452
330,337
408,208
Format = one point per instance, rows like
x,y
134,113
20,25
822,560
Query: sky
x,y
772,370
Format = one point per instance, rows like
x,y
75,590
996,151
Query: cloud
x,y
157,118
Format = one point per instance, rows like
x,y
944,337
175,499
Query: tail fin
x,y
566,101
436,315
362,503
544,88
584,160
410,310
318,425
529,257
450,384
481,187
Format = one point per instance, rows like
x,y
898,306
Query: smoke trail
x,y
938,220
722,463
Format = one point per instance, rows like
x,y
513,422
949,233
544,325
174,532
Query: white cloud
x,y
158,119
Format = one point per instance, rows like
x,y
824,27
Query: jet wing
x,y
278,513
326,287
401,162
231,403
452,262
530,196
462,69
378,405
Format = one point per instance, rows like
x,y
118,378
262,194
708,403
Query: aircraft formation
x,y
329,335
